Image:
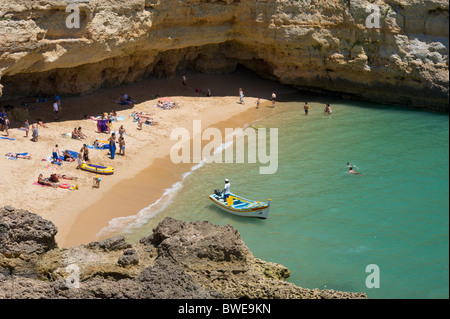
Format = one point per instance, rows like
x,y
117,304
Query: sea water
x,y
326,225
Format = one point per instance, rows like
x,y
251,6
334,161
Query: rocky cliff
x,y
330,45
179,260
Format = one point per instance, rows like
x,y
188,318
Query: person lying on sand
x,y
45,181
42,123
15,155
59,176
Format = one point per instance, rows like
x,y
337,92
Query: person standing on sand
x,y
258,101
85,151
241,96
306,107
2,119
112,145
55,154
27,128
7,123
34,128
55,110
274,97
121,145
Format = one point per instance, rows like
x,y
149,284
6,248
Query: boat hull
x,y
261,212
97,169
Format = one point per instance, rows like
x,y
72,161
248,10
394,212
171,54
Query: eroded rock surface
x,y
314,44
179,260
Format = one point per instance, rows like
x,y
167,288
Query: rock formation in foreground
x,y
179,260
398,57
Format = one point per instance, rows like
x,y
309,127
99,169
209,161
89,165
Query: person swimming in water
x,y
351,171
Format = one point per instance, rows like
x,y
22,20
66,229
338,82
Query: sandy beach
x,y
145,172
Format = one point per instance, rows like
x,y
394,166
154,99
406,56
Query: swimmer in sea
x,y
351,171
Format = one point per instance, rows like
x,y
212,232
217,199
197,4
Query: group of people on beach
x,y
258,100
327,109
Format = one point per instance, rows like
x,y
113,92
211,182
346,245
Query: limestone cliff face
x,y
179,260
315,44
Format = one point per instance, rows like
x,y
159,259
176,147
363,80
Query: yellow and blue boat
x,y
98,169
241,206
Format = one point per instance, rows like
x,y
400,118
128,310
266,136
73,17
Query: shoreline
x,y
81,214
131,194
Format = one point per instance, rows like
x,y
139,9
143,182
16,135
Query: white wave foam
x,y
127,224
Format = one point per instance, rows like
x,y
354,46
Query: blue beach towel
x,y
7,138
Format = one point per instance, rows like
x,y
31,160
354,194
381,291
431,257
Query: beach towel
x,y
102,126
37,184
52,167
92,147
7,138
119,118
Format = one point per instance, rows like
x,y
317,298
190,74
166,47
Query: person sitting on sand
x,y
75,135
81,134
45,181
68,157
15,155
122,130
96,182
139,124
113,115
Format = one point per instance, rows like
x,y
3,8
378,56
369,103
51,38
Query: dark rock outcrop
x,y
179,260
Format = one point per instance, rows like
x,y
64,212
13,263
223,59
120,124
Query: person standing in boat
x,y
226,191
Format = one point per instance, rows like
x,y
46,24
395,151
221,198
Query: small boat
x,y
240,206
98,169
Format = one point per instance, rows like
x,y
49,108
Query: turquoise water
x,y
326,225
